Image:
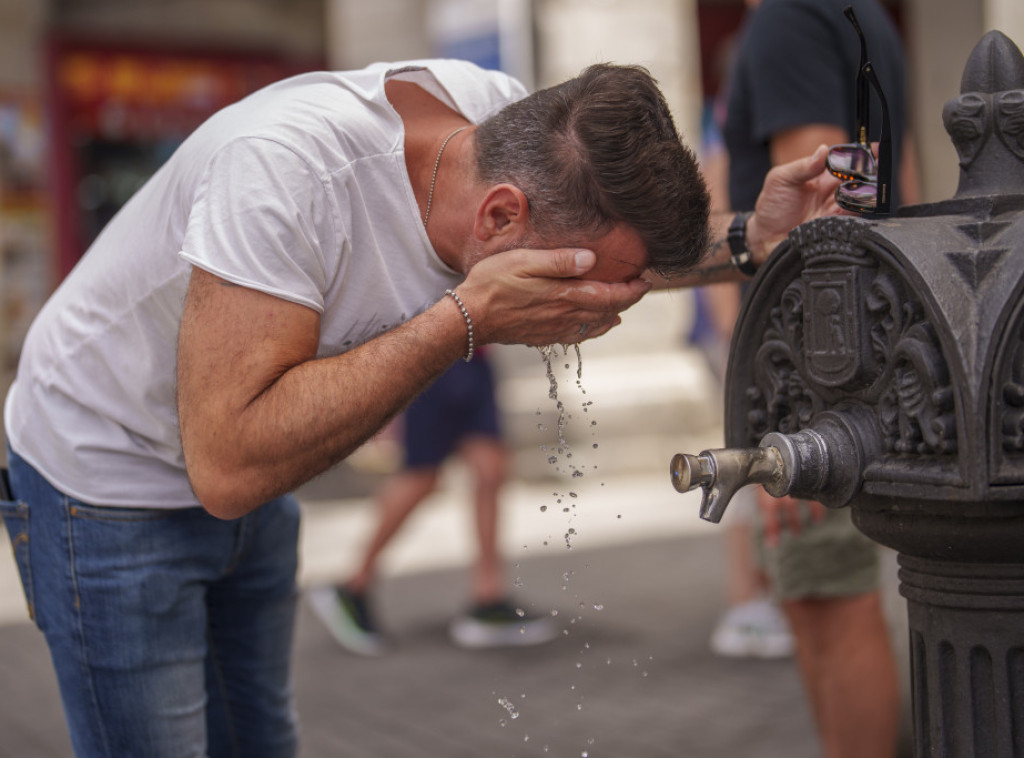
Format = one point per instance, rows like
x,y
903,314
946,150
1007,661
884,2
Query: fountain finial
x,y
991,102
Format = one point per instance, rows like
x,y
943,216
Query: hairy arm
x,y
261,414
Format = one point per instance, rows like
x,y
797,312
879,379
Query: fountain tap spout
x,y
721,473
798,464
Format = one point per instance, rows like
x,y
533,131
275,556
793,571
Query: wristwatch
x,y
738,250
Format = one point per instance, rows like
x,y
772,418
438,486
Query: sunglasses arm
x,y
883,200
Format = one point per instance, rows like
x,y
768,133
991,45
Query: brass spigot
x,y
784,464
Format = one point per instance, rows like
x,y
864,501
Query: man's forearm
x,y
249,437
717,265
260,414
793,193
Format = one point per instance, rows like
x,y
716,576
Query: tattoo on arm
x,y
713,270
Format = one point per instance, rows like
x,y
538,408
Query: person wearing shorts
x,y
457,415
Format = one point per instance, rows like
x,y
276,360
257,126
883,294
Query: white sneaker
x,y
347,617
755,629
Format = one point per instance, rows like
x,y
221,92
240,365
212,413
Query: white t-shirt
x,y
301,191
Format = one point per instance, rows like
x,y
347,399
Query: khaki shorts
x,y
827,558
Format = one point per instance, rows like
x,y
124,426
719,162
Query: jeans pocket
x,y
15,515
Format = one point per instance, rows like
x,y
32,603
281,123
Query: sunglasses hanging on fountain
x,y
866,181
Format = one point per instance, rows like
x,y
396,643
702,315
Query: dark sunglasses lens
x,y
860,197
852,162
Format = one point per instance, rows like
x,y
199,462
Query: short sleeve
x,y
261,219
798,73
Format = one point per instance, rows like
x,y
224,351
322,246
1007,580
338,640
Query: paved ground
x,y
630,678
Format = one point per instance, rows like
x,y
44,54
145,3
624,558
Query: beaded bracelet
x,y
469,324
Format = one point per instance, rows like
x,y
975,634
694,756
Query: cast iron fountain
x,y
879,364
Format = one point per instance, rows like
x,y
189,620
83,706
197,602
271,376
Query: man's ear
x,y
503,213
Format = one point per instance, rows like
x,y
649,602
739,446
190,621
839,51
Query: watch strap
x,y
739,252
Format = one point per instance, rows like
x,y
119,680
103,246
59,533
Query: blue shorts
x,y
460,404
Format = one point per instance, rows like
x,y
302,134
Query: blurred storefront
x,y
119,112
94,95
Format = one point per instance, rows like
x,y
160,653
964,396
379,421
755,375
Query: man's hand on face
x,y
541,297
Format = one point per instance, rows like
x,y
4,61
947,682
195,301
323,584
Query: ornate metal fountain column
x,y
881,362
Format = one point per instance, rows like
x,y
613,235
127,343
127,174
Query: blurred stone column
x,y
22,30
1008,17
940,37
360,32
659,34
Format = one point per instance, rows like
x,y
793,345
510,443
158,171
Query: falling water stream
x,y
559,455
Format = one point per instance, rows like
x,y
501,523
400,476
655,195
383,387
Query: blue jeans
x,y
170,630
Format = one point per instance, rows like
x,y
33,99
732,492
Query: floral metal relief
x,y
850,330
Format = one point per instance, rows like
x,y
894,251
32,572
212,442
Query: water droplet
x,y
509,706
598,607
543,509
520,612
552,459
554,611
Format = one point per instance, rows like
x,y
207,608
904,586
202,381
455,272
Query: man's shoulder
x,y
474,91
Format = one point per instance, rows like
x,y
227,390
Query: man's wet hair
x,y
598,150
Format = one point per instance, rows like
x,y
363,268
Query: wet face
x,y
621,256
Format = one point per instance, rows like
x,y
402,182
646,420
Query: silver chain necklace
x,y
433,178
